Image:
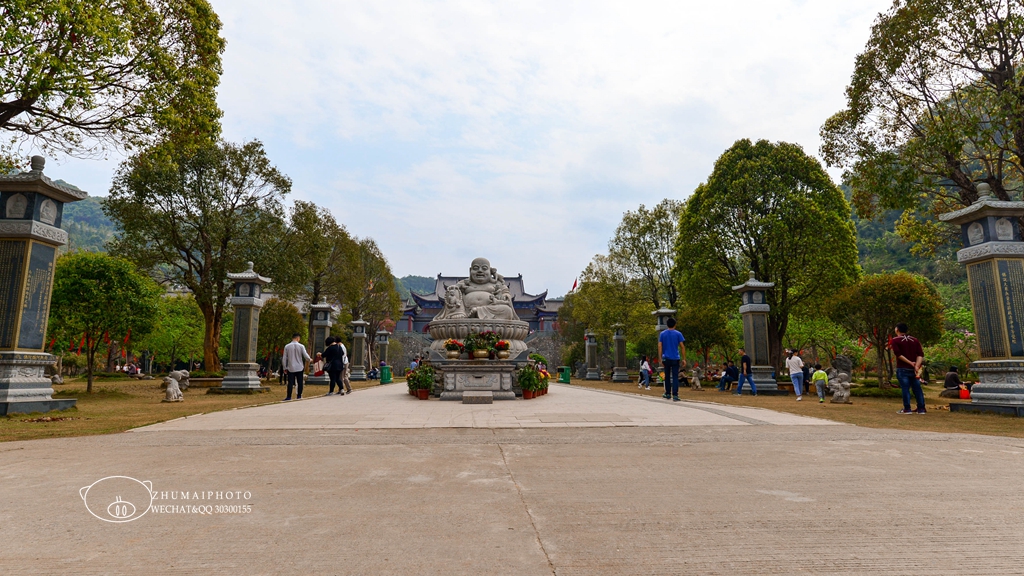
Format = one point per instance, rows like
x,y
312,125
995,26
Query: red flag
x,y
574,284
124,353
106,337
52,342
127,336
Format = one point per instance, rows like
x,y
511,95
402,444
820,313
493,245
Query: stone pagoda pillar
x,y
619,372
322,322
593,370
994,255
663,314
357,357
383,338
754,310
246,300
31,207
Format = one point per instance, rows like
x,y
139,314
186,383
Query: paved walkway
x,y
627,494
563,407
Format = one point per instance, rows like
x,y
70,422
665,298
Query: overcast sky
x,y
519,131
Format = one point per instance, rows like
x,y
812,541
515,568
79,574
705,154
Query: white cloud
x,y
522,131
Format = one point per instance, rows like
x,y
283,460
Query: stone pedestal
x,y
31,208
357,357
322,322
620,373
243,371
754,311
994,256
461,376
593,370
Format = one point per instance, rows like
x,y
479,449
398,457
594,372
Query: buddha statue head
x,y
480,272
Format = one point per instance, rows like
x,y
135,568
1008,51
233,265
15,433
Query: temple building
x,y
538,310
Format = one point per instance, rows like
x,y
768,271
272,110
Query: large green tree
x,y
178,331
193,214
74,74
369,292
705,328
279,319
102,298
935,106
771,209
871,308
643,247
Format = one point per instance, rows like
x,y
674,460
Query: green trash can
x,y
564,373
385,374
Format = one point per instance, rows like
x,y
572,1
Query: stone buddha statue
x,y
483,295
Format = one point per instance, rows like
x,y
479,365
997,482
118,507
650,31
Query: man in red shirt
x,y
909,357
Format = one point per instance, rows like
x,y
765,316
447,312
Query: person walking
x,y
672,349
909,357
294,361
645,373
334,364
746,373
796,373
820,380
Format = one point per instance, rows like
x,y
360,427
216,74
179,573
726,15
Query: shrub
x,y
876,392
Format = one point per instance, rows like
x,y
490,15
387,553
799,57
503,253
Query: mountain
x,y
419,284
88,227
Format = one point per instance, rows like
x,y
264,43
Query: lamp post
x,y
358,358
242,370
663,314
31,207
593,372
620,372
754,310
383,337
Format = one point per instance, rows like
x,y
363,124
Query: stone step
x,y
469,397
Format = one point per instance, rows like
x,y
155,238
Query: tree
x,y
101,297
871,309
704,328
178,331
119,72
935,106
369,291
771,209
818,334
643,246
279,319
191,215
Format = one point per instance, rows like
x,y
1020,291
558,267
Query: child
x,y
645,373
820,380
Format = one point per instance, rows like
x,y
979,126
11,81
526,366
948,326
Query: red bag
x,y
318,373
965,394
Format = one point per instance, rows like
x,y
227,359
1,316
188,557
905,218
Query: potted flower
x,y
529,381
502,348
543,377
454,348
420,381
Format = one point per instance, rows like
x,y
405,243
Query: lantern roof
x,y
248,276
753,284
35,181
985,205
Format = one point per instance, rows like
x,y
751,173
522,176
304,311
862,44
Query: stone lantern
x,y
322,322
31,207
619,372
358,356
754,310
383,337
663,314
246,300
994,256
593,371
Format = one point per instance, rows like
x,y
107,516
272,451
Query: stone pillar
x,y
593,370
754,310
994,255
382,345
619,372
31,207
246,300
322,322
663,314
357,357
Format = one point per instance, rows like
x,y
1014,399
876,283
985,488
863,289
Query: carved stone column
x,y
593,370
246,300
383,338
994,255
358,356
620,372
754,310
322,322
663,314
31,208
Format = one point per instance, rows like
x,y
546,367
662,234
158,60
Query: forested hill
x,y
88,227
408,284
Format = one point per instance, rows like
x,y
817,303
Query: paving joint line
x,y
529,514
687,403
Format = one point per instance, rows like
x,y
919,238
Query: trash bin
x,y
564,373
385,374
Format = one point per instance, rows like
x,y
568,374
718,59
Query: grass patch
x,y
865,411
875,392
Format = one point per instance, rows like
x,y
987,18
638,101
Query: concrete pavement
x,y
733,497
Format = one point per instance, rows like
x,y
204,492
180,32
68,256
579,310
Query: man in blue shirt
x,y
672,350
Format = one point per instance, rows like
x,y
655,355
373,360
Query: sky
x,y
517,131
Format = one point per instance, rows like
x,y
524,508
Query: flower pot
x,y
527,394
454,354
423,394
543,391
504,354
481,353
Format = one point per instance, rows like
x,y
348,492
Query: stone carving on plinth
x,y
172,393
357,358
840,388
242,370
619,371
31,207
321,313
754,310
994,256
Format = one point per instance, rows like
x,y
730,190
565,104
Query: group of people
x,y
333,361
672,349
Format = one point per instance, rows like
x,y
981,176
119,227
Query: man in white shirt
x,y
294,362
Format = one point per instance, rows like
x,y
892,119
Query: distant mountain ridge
x,y
88,227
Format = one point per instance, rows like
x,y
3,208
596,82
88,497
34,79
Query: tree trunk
x,y
211,340
90,357
883,380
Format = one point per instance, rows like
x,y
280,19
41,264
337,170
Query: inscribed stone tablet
x,y
12,262
35,310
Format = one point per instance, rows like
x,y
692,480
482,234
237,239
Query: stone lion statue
x,y
173,392
840,387
181,377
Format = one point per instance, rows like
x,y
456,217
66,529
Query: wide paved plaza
x,y
575,482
